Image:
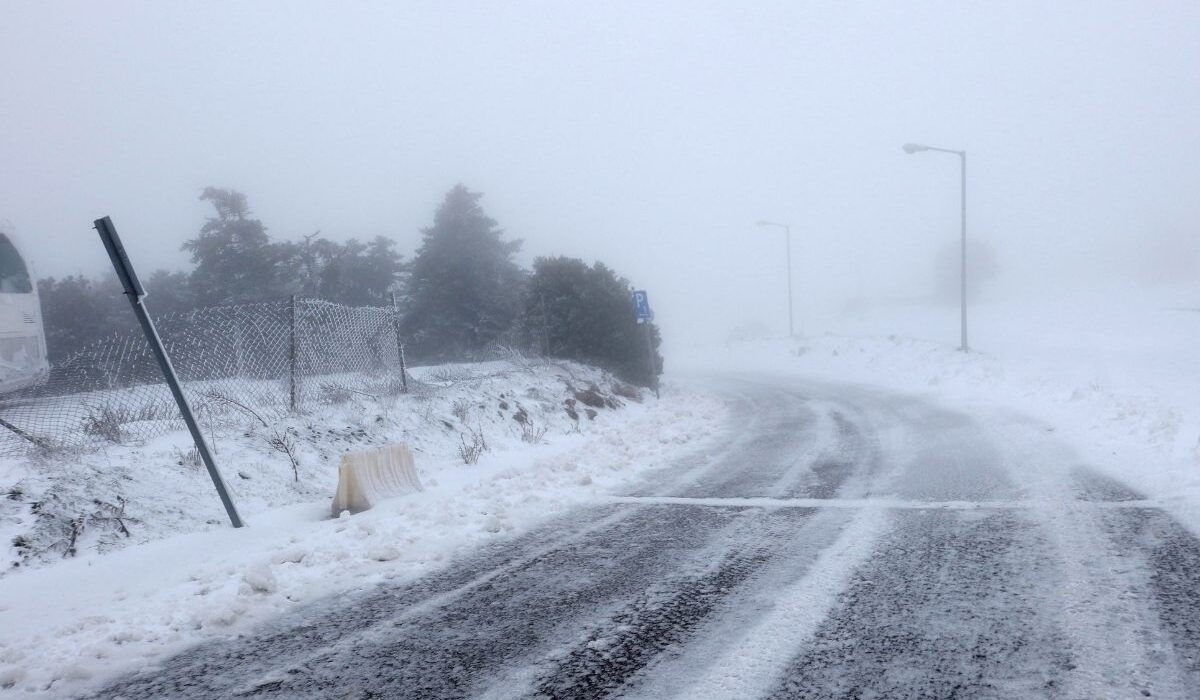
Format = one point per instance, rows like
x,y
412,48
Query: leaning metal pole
x,y
133,290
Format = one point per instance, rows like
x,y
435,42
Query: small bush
x,y
471,451
390,385
226,399
191,458
452,374
111,516
64,526
285,442
105,422
531,433
333,393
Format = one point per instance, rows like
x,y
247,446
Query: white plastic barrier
x,y
366,478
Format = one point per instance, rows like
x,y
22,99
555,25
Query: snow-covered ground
x,y
183,575
1116,381
1115,376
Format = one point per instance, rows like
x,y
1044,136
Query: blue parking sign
x,y
641,305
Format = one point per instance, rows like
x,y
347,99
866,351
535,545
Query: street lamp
x,y
787,237
911,148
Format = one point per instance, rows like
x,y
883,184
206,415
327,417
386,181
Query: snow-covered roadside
x,y
1118,381
66,626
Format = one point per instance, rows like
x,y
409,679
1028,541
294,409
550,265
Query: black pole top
x,y
120,260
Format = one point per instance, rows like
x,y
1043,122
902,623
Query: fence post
x,y
399,344
134,291
292,355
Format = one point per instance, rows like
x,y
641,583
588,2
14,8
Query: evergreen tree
x,y
585,313
235,261
464,290
170,292
352,273
77,311
370,272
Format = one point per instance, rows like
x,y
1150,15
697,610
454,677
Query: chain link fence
x,y
261,360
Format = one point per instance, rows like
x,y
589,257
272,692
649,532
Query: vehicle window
x,y
14,276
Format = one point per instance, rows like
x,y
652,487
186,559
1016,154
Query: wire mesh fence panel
x,y
259,359
345,346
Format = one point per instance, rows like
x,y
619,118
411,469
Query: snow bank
x,y
556,435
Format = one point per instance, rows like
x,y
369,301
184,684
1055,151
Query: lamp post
x,y
787,237
911,148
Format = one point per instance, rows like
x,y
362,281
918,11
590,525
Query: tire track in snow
x,y
942,610
783,426
293,639
1166,556
463,649
643,630
738,653
451,647
1099,590
850,453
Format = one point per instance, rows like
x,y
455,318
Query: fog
x,y
651,136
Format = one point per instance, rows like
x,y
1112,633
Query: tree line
x,y
461,294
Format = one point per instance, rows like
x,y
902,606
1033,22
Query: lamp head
x,y
911,148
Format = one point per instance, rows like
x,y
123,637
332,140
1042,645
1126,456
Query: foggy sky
x,y
648,135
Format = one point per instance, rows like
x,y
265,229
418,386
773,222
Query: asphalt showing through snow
x,y
957,556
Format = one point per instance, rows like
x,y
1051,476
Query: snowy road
x,y
846,543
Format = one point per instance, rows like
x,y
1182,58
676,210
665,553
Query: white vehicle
x,y
22,339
